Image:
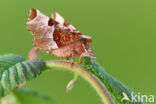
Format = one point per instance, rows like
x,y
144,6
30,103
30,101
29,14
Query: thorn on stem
x,y
33,54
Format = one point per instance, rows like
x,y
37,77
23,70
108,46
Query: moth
x,y
55,35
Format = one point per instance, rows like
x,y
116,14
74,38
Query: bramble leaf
x,y
15,71
115,88
25,96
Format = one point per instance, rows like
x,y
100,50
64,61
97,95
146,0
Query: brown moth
x,y
55,35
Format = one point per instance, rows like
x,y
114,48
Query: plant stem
x,y
97,85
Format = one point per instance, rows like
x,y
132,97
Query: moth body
x,y
55,35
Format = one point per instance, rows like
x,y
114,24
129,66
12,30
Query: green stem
x,y
97,85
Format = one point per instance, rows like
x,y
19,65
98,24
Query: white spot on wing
x,y
59,18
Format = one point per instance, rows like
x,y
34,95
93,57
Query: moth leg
x,y
72,60
79,61
84,48
85,51
67,59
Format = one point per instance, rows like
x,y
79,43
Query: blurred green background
x,y
123,32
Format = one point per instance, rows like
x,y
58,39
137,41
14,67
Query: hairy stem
x,y
97,85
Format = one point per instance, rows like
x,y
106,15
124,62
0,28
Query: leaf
x,y
25,96
15,71
115,88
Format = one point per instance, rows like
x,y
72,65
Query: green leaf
x,y
25,96
115,87
15,71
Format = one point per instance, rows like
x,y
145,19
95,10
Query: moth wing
x,y
57,17
38,25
